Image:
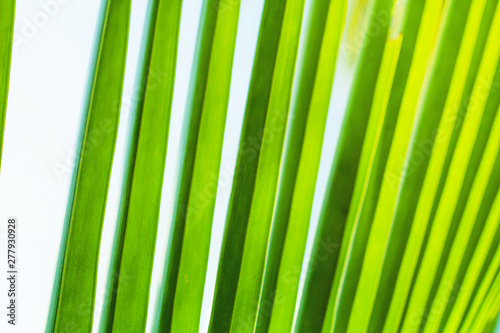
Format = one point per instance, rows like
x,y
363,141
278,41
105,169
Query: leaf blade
x,y
257,169
75,281
201,149
300,166
7,11
135,236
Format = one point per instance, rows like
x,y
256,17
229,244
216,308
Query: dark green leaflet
x,y
349,150
254,187
300,166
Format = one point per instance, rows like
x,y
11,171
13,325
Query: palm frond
x,y
409,231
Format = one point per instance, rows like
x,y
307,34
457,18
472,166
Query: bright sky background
x,y
49,75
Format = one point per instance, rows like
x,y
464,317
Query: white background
x,y
53,47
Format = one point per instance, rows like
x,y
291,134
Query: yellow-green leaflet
x,y
476,263
403,175
489,308
358,233
331,226
435,164
363,301
409,262
483,177
454,181
477,153
492,274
